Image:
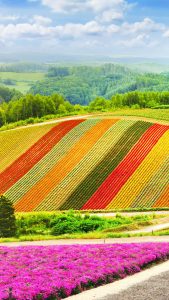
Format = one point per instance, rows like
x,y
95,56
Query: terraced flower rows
x,y
86,164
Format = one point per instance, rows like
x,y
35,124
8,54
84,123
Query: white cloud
x,y
98,6
75,31
9,18
110,15
147,25
111,29
103,11
42,20
64,6
139,40
166,33
101,24
102,28
37,29
40,27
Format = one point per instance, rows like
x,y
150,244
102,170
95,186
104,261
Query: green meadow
x,y
20,81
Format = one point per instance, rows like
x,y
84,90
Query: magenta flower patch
x,y
56,272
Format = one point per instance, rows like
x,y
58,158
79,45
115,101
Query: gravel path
x,y
156,288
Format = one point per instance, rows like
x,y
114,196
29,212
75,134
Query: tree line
x,y
37,106
23,67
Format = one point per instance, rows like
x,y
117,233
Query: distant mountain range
x,y
82,59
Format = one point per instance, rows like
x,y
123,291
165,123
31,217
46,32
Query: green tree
x,y
7,218
2,117
98,104
62,109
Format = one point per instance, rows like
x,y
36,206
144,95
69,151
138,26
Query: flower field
x,y
56,272
86,164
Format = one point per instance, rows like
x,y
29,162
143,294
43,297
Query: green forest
x,y
82,84
81,89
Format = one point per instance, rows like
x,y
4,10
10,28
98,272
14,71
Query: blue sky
x,y
85,27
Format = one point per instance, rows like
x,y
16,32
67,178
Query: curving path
x,y
108,115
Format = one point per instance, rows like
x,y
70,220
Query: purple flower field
x,y
56,272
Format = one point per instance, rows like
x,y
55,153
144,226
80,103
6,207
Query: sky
x,y
112,28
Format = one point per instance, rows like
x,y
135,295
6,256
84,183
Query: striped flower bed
x,y
56,272
13,143
22,186
86,164
32,156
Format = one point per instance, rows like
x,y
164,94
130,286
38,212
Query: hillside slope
x,y
86,164
82,84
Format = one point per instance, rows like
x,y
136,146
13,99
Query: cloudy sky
x,y
88,27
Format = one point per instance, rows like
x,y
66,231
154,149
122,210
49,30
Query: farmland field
x,y
21,81
95,163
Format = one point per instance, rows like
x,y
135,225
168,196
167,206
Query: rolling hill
x,y
95,163
82,84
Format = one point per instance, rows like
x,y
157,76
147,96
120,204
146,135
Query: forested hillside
x,y
81,84
78,84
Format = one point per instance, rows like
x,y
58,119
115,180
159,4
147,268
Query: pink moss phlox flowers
x,y
56,272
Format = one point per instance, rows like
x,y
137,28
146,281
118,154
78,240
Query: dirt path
x,y
151,228
95,116
90,241
53,121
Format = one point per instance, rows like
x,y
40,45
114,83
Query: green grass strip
x,y
152,191
20,188
97,176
